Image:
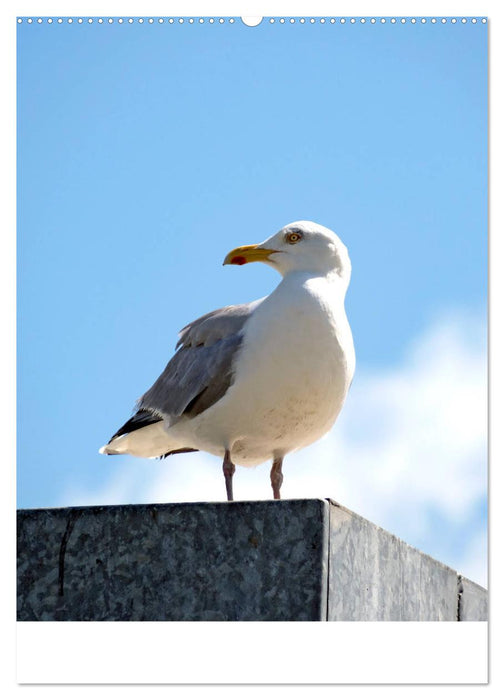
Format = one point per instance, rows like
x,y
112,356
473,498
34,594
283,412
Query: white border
x,y
220,8
253,652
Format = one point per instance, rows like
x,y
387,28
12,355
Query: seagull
x,y
253,382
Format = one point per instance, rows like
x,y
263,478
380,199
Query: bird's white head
x,y
301,245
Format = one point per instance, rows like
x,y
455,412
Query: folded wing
x,y
200,372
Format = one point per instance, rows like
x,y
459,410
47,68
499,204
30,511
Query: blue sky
x,y
146,152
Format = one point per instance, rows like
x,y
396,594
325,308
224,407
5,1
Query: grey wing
x,y
202,369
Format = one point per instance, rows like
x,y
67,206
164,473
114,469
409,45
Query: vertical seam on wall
x,y
327,537
460,591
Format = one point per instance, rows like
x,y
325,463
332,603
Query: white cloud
x,y
408,453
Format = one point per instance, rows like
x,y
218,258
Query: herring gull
x,y
252,382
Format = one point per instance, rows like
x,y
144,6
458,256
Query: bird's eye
x,y
293,237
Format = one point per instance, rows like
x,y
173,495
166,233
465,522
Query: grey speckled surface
x,y
373,575
190,561
248,560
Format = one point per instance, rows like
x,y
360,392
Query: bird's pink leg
x,y
229,469
276,477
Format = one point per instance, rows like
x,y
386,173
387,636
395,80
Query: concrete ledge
x,y
259,560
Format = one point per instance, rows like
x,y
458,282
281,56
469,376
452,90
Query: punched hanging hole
x,y
251,21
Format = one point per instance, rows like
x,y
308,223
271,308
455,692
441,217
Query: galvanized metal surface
x,y
308,559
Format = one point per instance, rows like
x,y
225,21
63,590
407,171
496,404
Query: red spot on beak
x,y
238,260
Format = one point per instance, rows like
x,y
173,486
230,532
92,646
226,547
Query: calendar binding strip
x,y
219,21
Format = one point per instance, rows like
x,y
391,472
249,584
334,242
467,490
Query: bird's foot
x,y
276,477
229,469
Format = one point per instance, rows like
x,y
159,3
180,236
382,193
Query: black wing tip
x,y
176,452
141,419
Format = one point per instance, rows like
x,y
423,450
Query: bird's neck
x,y
301,277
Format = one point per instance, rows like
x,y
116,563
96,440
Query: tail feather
x,y
143,436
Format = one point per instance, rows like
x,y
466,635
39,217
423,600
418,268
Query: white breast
x,y
292,375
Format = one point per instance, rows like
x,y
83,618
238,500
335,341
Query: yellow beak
x,y
247,253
